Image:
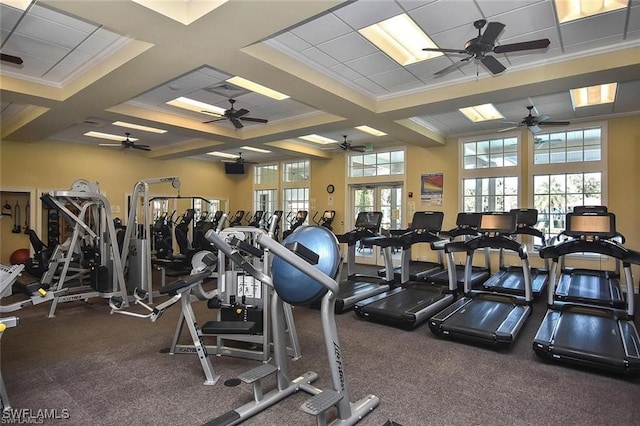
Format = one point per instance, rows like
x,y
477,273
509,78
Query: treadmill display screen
x,y
429,221
369,220
601,225
526,217
503,223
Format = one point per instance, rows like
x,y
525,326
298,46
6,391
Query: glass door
x,y
386,198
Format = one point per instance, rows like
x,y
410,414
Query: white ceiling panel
x,y
319,57
593,28
430,17
492,8
345,72
372,64
526,20
293,42
348,47
321,30
36,48
395,77
327,41
368,12
44,29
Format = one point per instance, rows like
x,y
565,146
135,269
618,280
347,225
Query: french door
x,y
386,198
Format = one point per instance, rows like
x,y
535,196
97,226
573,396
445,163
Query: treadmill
x,y
418,269
510,278
594,336
413,302
466,227
581,285
486,317
357,287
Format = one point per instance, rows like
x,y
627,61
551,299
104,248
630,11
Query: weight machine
x,y
241,298
94,237
136,248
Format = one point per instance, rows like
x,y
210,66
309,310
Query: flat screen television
x,y
234,168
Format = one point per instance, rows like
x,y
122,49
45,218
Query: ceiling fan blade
x,y
357,148
236,123
508,128
492,64
491,34
11,59
213,121
141,147
535,128
212,113
239,113
555,123
255,120
543,117
452,67
110,144
525,45
430,49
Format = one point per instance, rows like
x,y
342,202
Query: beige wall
x,y
53,165
45,166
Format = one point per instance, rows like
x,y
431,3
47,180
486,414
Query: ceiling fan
x,y
127,143
236,116
238,160
478,47
534,123
11,59
347,146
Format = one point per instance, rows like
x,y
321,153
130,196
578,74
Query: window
x,y
297,171
568,170
266,174
376,164
266,200
295,199
490,174
490,194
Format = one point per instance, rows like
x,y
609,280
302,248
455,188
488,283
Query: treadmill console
x,y
427,221
497,223
468,220
591,226
525,217
369,220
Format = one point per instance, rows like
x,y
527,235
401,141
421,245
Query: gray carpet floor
x,y
107,369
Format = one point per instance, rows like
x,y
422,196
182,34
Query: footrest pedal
x,y
257,373
321,402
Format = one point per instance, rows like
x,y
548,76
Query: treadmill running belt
x,y
590,286
478,276
481,318
595,336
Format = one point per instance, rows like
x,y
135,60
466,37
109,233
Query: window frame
x,y
490,172
572,167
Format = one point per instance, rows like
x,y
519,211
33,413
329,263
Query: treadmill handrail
x,y
496,242
604,247
352,237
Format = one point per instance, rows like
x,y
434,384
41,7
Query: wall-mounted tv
x,y
234,168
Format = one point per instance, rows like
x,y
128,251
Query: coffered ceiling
x,y
87,64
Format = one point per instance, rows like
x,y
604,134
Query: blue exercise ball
x,y
292,285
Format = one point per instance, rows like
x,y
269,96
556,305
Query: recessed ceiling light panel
x,y
480,113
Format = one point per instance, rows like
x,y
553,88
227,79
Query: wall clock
x,y
330,189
